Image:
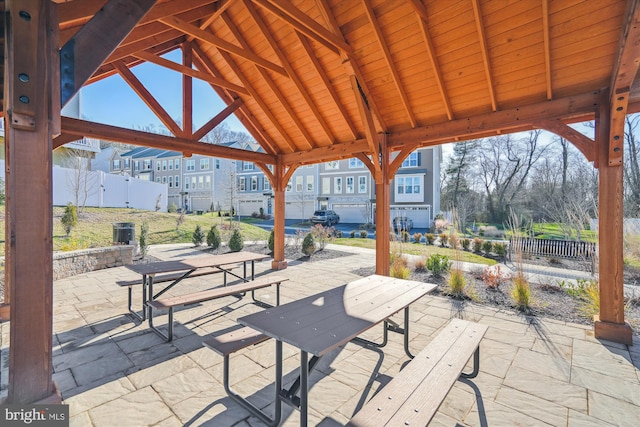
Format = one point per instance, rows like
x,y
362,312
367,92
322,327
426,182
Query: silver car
x,y
325,217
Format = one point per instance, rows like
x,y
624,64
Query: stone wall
x,y
67,264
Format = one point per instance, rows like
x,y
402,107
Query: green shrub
x,y
198,236
144,233
70,218
500,248
477,245
444,238
364,234
430,238
466,243
270,242
438,264
417,237
172,208
457,282
308,245
404,236
487,247
213,237
521,292
235,242
352,234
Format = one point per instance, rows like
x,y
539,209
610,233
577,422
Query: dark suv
x,y
325,217
402,223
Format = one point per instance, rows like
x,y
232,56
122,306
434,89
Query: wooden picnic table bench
x,y
415,394
169,303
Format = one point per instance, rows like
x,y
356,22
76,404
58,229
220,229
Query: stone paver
x,y
114,371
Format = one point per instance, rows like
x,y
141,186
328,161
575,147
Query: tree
x,y
308,245
235,243
213,237
457,172
69,218
81,182
198,236
144,231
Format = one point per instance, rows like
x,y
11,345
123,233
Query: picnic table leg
x,y
406,333
304,388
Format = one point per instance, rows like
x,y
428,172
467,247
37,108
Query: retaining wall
x,y
70,263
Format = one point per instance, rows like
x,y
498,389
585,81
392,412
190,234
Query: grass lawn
x,y
554,231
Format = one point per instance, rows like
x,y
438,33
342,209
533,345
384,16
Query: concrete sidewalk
x,y
114,371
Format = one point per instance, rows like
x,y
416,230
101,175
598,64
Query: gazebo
x,y
312,81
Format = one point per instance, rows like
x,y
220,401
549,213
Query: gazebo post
x,y
610,324
383,216
32,102
279,185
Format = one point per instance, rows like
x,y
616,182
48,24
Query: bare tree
x,y
81,182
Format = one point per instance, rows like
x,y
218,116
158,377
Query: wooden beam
x,y
148,98
484,48
31,68
62,139
547,47
610,324
306,25
343,150
221,6
423,19
129,136
389,61
367,121
188,71
304,93
187,91
383,213
622,78
221,44
81,56
573,108
217,119
279,185
582,142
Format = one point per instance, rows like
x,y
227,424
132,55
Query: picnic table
x,y
321,323
185,268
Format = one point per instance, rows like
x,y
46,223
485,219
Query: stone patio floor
x,y
113,371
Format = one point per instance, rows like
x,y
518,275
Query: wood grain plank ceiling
x,y
314,80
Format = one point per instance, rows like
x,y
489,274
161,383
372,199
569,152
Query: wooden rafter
x,y
303,23
294,76
148,98
248,120
223,45
573,108
367,121
389,61
113,133
423,19
477,13
188,71
304,42
217,119
221,6
187,91
547,47
323,154
83,54
582,142
623,76
397,161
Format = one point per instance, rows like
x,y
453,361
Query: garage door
x,y
298,210
351,213
247,207
421,216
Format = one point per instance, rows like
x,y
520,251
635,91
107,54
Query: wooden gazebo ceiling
x,y
320,79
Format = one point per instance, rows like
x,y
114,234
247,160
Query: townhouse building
x,y
301,194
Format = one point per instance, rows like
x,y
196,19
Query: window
x,y
332,165
310,183
164,165
298,184
241,184
254,183
289,186
204,164
177,164
217,163
355,163
191,165
266,185
147,165
136,165
408,188
186,184
158,179
164,179
194,184
116,164
411,161
200,182
126,163
171,182
207,181
362,184
350,185
326,185
248,166
170,164
177,181
337,185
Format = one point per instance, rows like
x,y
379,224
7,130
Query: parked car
x,y
325,217
402,223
